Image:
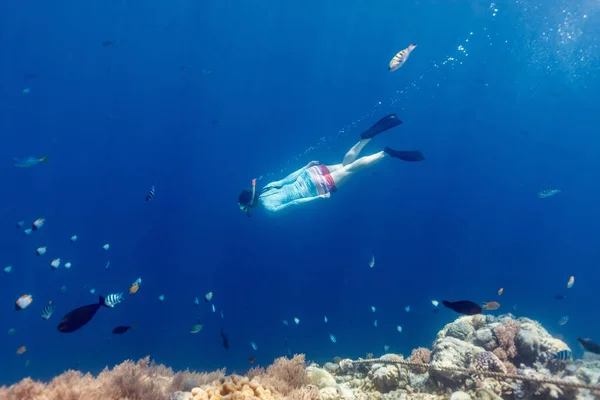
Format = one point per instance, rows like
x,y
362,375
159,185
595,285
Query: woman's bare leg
x,y
341,175
353,153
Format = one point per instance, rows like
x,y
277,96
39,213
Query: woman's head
x,y
245,199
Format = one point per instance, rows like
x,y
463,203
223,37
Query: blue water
x,y
513,113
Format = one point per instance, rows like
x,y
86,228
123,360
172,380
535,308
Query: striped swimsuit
x,y
313,181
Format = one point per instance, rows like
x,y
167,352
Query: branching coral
x,y
506,335
420,355
285,374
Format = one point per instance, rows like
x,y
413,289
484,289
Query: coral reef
x,y
475,344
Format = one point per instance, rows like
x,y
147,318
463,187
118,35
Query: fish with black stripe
x,y
400,58
151,193
113,299
563,355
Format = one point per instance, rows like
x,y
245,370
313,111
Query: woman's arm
x,y
300,201
291,178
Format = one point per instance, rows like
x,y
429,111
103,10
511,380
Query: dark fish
x,y
560,297
121,329
107,43
563,355
150,194
79,317
589,345
251,360
464,307
225,340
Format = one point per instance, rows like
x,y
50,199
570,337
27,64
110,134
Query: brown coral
x,y
285,374
500,353
420,355
506,335
236,388
487,361
128,380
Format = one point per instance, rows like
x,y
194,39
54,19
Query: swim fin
x,y
405,155
385,123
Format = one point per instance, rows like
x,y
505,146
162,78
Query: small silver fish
x,y
284,321
113,299
563,320
375,324
48,310
332,338
400,58
26,162
548,193
254,346
372,262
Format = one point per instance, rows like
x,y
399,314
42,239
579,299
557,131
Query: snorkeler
x,y
318,181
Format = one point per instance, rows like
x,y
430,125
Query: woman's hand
x,y
312,164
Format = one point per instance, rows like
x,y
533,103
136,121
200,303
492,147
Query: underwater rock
x,y
180,396
528,344
460,396
485,338
451,352
320,377
460,329
484,394
328,393
331,367
386,378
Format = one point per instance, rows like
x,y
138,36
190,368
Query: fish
x,y
21,350
27,232
12,331
55,263
214,309
332,338
77,318
284,321
490,306
325,319
222,315
26,162
251,360
435,303
135,286
563,320
208,297
113,299
92,291
296,320
107,265
401,57
121,329
571,282
399,328
464,307
23,302
161,297
26,91
67,265
372,262
225,340
73,239
548,193
386,347
375,324
563,355
48,310
20,224
41,250
589,345
373,308
107,43
26,363
63,288
515,307
150,194
38,223
560,297
8,269
254,346
106,246
197,327
196,301
407,308
500,291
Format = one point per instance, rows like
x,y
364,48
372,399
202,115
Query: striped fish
x,y
563,355
48,310
548,193
150,194
400,58
563,320
113,299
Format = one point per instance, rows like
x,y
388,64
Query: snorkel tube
x,y
251,200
